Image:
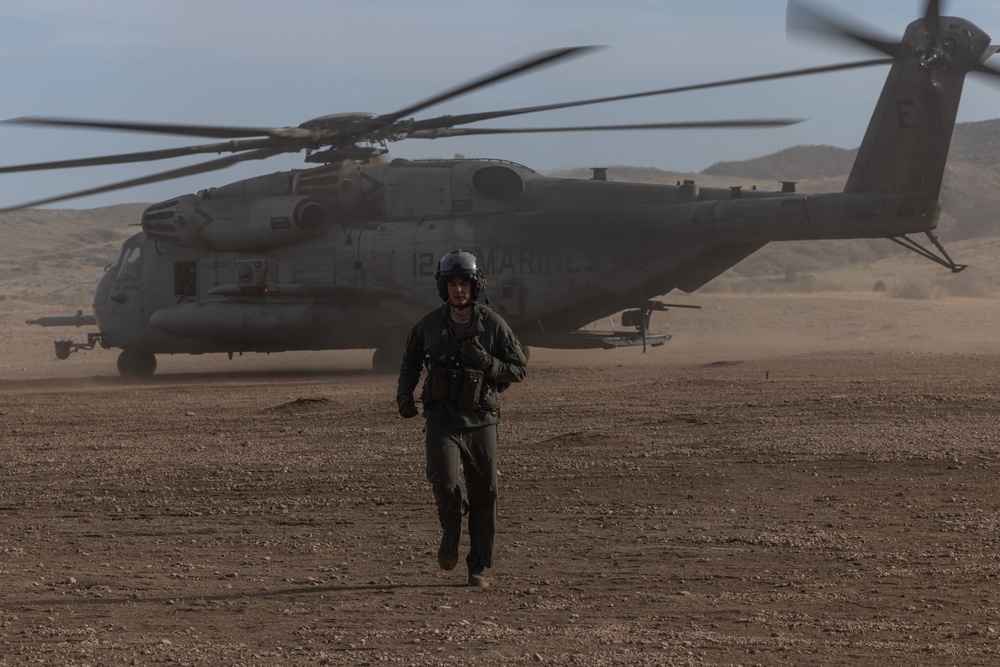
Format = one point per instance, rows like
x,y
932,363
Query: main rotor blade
x,y
228,132
805,18
716,124
451,121
212,165
213,131
520,67
144,156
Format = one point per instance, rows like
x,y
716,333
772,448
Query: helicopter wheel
x,y
136,364
386,359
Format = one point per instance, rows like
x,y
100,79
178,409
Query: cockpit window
x,y
130,267
185,279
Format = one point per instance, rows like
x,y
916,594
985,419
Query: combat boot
x,y
451,535
478,579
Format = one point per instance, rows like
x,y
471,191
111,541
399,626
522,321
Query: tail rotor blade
x,y
802,17
932,16
990,71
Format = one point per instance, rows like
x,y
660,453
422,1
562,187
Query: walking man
x,y
470,355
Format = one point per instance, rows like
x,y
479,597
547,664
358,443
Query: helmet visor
x,y
458,263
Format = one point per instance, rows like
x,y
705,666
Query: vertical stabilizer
x,y
906,145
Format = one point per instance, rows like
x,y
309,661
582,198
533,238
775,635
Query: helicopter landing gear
x,y
136,364
943,259
386,359
640,320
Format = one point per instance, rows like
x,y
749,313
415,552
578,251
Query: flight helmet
x,y
462,264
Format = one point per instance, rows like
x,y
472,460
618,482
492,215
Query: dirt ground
x,y
797,479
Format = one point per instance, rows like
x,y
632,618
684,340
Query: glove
x,y
407,408
474,355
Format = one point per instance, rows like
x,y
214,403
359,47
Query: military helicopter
x,y
341,255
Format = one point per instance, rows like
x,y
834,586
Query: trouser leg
x,y
443,447
449,502
449,452
479,461
443,456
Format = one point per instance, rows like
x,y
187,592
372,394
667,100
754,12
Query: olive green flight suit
x,y
462,434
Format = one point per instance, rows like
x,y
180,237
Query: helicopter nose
x,y
102,295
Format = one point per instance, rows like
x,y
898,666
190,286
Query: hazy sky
x,y
267,63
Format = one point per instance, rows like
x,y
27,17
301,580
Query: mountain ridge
x,y
976,143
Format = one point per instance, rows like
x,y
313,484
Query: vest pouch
x,y
439,384
472,386
489,401
454,385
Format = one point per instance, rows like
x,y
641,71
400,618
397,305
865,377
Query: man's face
x,y
459,292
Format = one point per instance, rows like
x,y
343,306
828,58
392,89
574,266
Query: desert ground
x,y
803,479
804,475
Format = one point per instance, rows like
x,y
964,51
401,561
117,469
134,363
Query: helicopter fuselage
x,y
344,256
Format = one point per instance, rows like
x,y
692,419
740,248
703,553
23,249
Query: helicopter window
x,y
185,279
131,265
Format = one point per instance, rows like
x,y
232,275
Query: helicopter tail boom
x,y
906,145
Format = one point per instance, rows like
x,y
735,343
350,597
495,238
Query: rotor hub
x,y
949,41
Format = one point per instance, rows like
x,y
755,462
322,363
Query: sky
x,y
265,63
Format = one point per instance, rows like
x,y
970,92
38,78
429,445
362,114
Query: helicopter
x,y
342,255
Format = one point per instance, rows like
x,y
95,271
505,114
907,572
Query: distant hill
x,y
796,163
976,143
973,143
52,258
